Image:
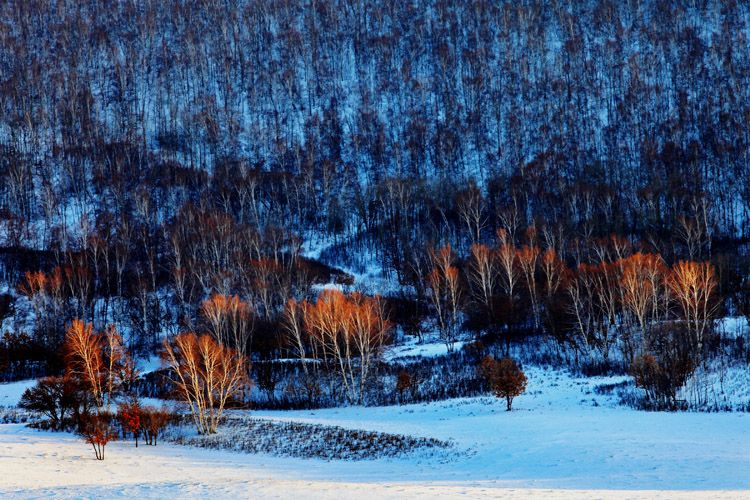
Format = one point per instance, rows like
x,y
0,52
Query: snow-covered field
x,y
561,441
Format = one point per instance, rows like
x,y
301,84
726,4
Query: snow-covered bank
x,y
11,392
49,465
561,441
561,434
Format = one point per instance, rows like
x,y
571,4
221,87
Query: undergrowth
x,y
303,440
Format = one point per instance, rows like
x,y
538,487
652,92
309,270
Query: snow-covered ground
x,y
11,393
561,441
410,348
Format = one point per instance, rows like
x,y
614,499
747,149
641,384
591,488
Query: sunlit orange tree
x,y
351,330
206,376
101,364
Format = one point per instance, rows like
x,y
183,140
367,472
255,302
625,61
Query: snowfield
x,y
561,441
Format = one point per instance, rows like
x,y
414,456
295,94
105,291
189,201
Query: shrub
x,y
130,416
661,380
54,397
97,431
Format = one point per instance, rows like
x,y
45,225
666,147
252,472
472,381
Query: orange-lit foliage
x,y
99,359
445,293
506,379
153,420
350,329
528,258
98,432
34,284
207,375
85,357
554,271
45,293
664,316
693,286
663,375
230,320
642,284
129,413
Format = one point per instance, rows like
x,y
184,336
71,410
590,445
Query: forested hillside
x,y
568,180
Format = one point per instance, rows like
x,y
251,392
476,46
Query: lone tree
x,y
54,397
505,377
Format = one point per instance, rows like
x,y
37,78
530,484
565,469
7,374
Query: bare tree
x,y
693,286
100,360
230,320
445,293
206,374
470,206
353,330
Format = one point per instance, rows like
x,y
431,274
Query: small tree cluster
x,y
143,421
98,370
666,367
340,333
206,375
153,421
445,292
101,364
349,331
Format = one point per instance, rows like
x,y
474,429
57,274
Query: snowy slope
x,y
10,393
47,465
562,435
561,441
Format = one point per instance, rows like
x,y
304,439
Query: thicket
x,y
302,440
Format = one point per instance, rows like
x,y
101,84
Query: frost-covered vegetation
x,y
285,199
305,440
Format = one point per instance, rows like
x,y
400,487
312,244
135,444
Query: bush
x,y
54,397
661,380
303,440
130,415
98,431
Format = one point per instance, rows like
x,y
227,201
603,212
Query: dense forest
x,y
567,179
